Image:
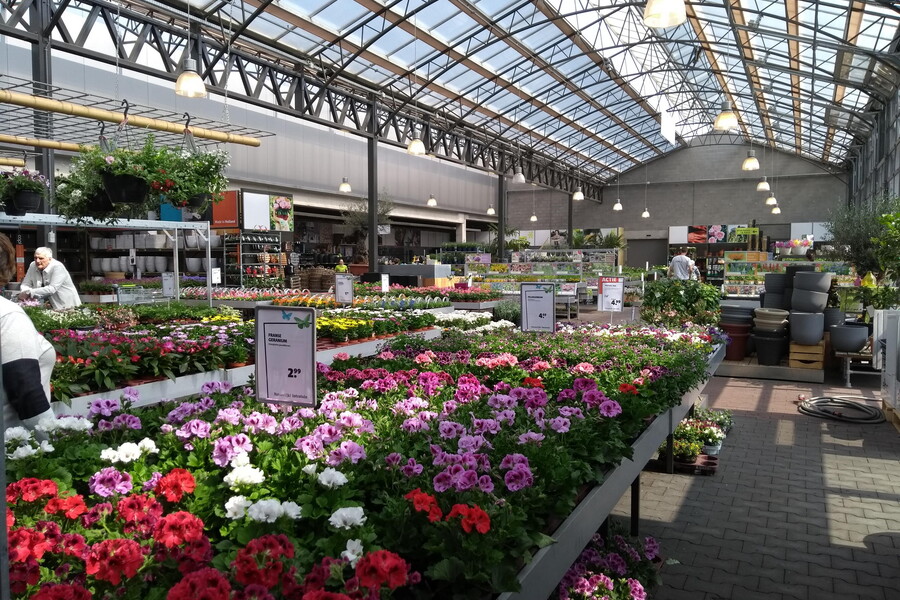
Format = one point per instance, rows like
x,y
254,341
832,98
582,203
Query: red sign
x,y
225,212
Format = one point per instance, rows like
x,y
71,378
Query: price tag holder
x,y
538,307
132,257
610,294
385,283
168,284
215,275
286,355
343,288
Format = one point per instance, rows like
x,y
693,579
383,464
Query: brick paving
x,y
799,508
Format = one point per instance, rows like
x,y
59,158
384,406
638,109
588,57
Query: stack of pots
x,y
736,321
770,335
808,302
790,272
775,296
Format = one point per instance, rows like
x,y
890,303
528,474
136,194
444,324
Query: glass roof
x,y
585,80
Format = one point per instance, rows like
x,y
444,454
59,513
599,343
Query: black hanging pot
x,y
125,189
199,200
98,204
22,202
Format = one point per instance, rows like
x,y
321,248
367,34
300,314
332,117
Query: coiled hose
x,y
841,408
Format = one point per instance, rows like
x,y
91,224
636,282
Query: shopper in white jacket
x,y
47,278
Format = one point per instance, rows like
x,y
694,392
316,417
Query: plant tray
x,y
704,465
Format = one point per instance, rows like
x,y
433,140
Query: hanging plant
x,y
22,191
198,179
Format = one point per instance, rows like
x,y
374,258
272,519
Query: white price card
x,y
538,304
286,355
168,284
385,283
610,293
343,288
215,275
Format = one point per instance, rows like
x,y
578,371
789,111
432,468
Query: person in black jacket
x,y
27,358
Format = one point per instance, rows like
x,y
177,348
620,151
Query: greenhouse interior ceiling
x,y
585,85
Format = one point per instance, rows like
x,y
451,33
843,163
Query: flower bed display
x,y
432,469
475,294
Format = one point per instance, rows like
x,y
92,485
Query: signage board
x,y
168,284
286,355
538,307
610,294
215,275
385,282
746,230
343,288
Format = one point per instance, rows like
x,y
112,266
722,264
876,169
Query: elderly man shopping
x,y
48,279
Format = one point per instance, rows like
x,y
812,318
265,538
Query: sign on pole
x,y
538,307
168,284
286,355
385,283
215,275
611,292
343,288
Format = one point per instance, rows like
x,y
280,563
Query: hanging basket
x,y
125,189
22,202
98,205
199,200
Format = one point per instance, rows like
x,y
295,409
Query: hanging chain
x,y
226,116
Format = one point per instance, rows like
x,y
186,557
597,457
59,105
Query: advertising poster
x,y
282,213
697,234
225,212
286,355
716,234
255,208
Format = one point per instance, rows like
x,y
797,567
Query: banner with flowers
x,y
282,213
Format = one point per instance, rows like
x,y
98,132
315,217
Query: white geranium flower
x,y
50,424
353,552
241,460
265,511
332,478
47,447
247,475
148,446
236,507
345,518
310,469
23,451
129,452
17,434
109,455
292,510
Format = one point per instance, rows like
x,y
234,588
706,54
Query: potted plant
x,y
198,178
22,191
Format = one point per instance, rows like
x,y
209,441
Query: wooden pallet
x,y
804,356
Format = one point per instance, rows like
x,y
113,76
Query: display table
x,y
540,577
859,359
437,275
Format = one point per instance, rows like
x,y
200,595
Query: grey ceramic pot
x,y
849,337
813,281
807,328
808,301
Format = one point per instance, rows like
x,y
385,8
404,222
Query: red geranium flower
x,y
627,388
259,561
324,595
10,519
473,518
178,528
72,507
423,502
109,560
533,382
62,591
382,567
27,543
175,484
141,513
30,489
208,584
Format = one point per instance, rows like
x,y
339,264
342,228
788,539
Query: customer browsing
x,y
680,267
48,279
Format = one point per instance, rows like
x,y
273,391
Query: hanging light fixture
x,y
771,200
415,147
432,201
664,13
578,195
533,218
518,176
646,213
776,210
763,185
345,186
751,163
727,119
618,204
189,83
490,211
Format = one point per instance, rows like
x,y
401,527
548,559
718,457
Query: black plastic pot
x,y
125,189
769,350
22,202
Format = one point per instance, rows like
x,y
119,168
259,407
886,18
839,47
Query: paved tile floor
x,y
799,508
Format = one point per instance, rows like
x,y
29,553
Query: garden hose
x,y
841,408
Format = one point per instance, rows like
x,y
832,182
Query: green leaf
x,y
448,569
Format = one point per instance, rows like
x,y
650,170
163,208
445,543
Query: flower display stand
x,y
539,578
475,305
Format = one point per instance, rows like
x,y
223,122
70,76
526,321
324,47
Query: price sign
x,y
215,275
132,257
385,282
343,289
286,355
168,284
538,307
611,291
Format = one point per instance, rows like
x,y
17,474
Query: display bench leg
x,y
636,505
670,454
847,372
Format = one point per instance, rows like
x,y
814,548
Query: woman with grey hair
x,y
48,279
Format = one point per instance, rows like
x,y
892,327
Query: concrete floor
x,y
799,508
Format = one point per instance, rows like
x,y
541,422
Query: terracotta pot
x,y
235,365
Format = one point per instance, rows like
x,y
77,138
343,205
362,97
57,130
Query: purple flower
x,y
486,484
166,428
256,422
195,428
393,459
559,424
512,460
151,483
594,398
571,411
109,481
449,407
104,407
616,563
211,387
131,394
636,589
610,408
471,443
565,395
311,446
411,468
519,477
451,429
328,433
583,384
126,422
414,424
93,516
347,451
501,401
226,448
505,416
349,420
651,548
232,416
104,425
289,424
483,426
466,480
306,413
531,437
442,481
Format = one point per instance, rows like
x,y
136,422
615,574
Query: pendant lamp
x,y
189,83
345,186
771,200
646,213
618,204
578,195
727,119
664,13
763,185
518,176
533,218
432,201
776,210
490,211
751,163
